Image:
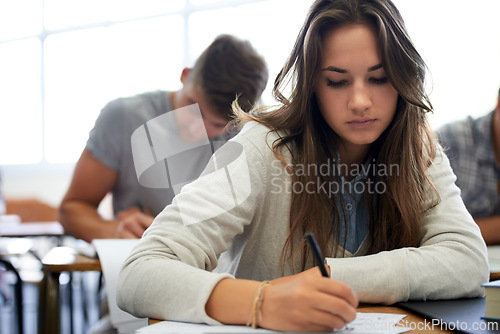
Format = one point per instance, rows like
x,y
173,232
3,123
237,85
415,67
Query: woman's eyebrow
x,y
374,68
334,69
340,70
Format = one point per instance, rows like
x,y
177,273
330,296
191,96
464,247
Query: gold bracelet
x,y
257,305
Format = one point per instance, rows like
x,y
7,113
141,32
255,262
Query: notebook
x,y
461,315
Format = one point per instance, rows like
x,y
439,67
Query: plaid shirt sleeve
x,y
468,146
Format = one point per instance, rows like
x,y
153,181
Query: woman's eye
x,y
336,84
379,81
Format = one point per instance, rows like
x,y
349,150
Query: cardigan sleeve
x,y
450,262
169,273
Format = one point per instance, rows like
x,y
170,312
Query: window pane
x,y
204,26
20,102
274,41
88,68
146,55
69,13
61,14
126,9
73,85
19,18
462,58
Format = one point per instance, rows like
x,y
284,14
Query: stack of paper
x,y
492,308
494,258
112,254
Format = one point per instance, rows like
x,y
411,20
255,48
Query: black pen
x,y
313,244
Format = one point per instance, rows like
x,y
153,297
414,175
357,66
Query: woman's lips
x,y
361,123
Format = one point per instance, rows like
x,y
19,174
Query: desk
x,y
37,229
412,320
14,231
13,247
56,261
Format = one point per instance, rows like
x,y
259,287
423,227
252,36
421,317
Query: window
x,y
61,61
55,77
271,36
84,69
20,101
460,43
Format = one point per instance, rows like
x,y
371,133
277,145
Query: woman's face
x,y
354,96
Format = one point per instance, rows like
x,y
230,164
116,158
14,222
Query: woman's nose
x,y
360,99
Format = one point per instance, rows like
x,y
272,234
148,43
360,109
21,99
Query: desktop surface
x,y
461,315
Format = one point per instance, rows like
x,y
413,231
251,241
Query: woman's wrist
x,y
231,301
256,310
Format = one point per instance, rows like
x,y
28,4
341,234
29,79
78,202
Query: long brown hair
x,y
395,214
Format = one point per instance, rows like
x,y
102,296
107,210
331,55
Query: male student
x,y
229,67
473,147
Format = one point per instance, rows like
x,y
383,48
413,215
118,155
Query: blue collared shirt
x,y
354,212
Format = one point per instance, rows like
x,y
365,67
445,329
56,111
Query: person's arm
x,y
449,138
78,210
170,273
490,229
303,302
78,213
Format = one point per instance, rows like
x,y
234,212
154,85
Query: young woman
x,y
348,156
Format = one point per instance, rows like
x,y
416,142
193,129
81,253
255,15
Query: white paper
x,y
112,254
374,323
173,327
494,258
371,323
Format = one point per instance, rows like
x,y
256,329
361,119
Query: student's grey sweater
x,y
240,208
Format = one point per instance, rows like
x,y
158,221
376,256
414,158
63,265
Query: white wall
x,y
460,40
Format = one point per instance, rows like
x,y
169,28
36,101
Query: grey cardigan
x,y
234,220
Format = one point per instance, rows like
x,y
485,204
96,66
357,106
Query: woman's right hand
x,y
307,302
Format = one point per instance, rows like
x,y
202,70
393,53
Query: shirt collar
x,y
362,169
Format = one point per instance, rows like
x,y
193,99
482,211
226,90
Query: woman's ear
x,y
184,74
